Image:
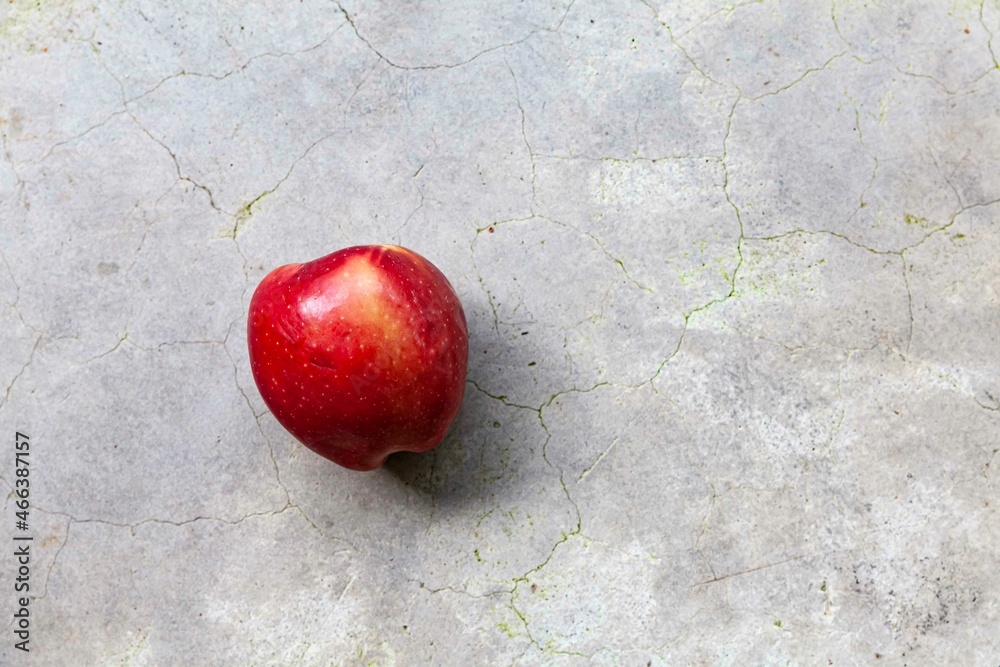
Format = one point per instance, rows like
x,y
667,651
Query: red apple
x,y
361,353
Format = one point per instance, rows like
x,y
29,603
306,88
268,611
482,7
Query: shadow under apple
x,y
492,446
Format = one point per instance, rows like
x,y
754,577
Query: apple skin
x,y
360,353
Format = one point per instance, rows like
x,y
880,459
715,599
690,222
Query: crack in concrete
x,y
571,390
77,137
134,526
257,417
420,204
836,24
493,307
602,455
909,301
17,294
246,273
604,249
821,232
236,376
739,249
631,160
706,517
241,215
828,446
244,213
524,578
17,376
524,136
949,378
565,536
728,9
698,68
729,199
90,42
146,348
395,65
181,176
743,237
19,182
240,68
675,40
171,343
747,571
168,522
224,343
922,75
113,348
52,565
951,92
947,179
989,42
674,353
607,451
489,295
479,275
347,587
501,398
862,204
125,109
457,591
802,77
357,89
900,252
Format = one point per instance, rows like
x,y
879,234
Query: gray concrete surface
x,y
732,277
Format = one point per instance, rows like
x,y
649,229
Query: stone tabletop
x,y
732,276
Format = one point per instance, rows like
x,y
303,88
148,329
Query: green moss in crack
x,y
505,628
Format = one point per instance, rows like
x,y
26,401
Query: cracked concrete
x,y
732,281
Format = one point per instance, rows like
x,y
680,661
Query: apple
x,y
360,353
